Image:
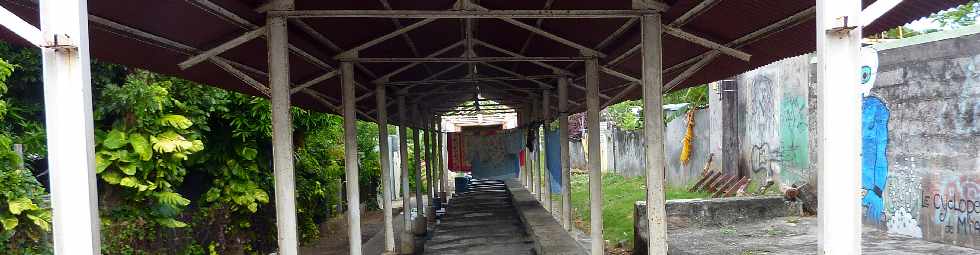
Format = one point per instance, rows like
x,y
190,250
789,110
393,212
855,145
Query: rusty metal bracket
x,y
842,29
60,41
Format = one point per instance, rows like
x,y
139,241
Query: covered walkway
x,y
543,59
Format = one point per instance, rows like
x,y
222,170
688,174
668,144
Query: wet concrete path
x,y
480,221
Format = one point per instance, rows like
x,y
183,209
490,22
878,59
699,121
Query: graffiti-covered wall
x,y
921,154
920,132
774,122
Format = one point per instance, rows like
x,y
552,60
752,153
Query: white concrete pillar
x,y
440,158
539,180
653,131
839,125
420,221
444,152
532,156
381,98
351,158
407,244
566,193
595,156
546,123
68,118
282,134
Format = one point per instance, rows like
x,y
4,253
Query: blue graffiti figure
x,y
874,164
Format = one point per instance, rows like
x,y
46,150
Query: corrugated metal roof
x,y
196,25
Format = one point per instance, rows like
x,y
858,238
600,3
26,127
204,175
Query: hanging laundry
x,y
552,153
456,147
494,154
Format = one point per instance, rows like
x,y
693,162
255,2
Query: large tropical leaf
x,y
9,221
41,219
111,177
171,223
101,162
177,121
169,142
142,146
115,139
172,198
19,205
129,181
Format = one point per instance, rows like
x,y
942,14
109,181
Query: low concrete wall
x,y
548,235
701,213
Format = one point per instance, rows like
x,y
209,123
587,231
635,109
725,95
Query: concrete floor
x,y
792,235
481,221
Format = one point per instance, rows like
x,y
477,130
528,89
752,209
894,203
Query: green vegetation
x,y
964,15
182,168
25,218
628,115
619,195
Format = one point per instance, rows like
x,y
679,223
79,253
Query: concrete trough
x,y
701,213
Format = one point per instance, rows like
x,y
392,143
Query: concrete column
x,y
595,155
282,135
440,157
546,123
839,126
381,98
520,124
350,158
729,134
539,182
533,159
407,243
420,222
566,193
653,131
427,140
444,156
70,139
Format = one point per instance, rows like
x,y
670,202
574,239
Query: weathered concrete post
x,y
522,175
282,132
839,125
420,222
70,139
440,158
545,123
595,156
407,244
350,156
653,131
430,189
533,159
566,193
381,98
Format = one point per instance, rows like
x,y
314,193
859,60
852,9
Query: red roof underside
x,y
193,25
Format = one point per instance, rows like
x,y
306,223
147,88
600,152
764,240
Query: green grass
x,y
619,195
